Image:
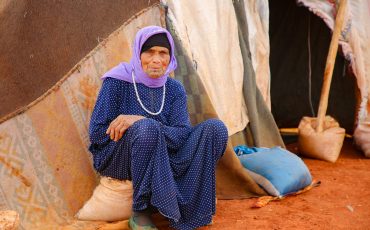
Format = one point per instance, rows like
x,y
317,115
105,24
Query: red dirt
x,y
342,201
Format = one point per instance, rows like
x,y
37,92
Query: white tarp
x,y
209,33
257,12
355,42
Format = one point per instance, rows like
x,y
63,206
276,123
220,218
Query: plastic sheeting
x,y
208,31
257,12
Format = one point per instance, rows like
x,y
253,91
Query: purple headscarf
x,y
124,70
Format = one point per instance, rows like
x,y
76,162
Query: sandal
x,y
140,221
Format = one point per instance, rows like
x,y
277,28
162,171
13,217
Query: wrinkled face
x,y
155,60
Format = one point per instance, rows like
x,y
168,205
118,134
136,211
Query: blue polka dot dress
x,y
171,164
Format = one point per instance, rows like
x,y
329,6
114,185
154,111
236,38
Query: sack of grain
x,y
325,145
111,201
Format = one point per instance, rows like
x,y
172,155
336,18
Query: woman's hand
x,y
119,125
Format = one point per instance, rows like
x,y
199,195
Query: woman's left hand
x,y
119,125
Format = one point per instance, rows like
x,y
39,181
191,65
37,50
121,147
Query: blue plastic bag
x,y
278,171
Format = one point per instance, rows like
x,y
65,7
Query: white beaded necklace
x,y
141,104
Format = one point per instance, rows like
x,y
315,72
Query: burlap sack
x,y
325,145
362,137
111,201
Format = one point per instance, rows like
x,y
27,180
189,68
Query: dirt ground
x,y
342,201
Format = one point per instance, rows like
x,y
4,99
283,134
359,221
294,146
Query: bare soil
x,y
342,201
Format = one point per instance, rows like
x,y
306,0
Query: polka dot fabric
x,y
171,163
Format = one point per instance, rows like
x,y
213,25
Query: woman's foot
x,y
141,221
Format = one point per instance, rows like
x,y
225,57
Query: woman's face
x,y
155,61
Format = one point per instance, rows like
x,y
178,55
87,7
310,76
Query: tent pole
x,y
330,62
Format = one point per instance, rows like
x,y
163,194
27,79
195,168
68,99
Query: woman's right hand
x,y
119,125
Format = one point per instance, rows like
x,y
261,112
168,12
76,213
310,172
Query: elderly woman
x,y
140,131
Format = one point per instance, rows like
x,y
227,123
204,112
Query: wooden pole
x,y
330,62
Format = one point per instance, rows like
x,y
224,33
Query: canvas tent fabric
x,y
229,67
46,169
262,125
40,41
356,48
257,13
214,48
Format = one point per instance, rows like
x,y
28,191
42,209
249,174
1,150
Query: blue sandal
x,y
141,222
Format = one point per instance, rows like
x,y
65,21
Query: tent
x,y
41,41
299,45
297,35
44,156
43,146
